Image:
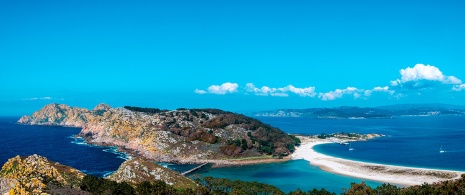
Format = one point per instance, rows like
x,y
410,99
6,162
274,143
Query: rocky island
x,y
182,135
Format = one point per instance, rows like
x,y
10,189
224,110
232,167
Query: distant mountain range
x,y
366,112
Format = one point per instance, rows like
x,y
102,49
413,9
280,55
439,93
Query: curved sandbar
x,y
406,176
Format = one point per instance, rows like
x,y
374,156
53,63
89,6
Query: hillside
x,y
35,175
136,171
359,112
183,135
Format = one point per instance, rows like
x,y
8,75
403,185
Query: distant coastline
x,y
405,176
347,112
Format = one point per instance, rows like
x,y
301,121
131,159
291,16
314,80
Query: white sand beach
x,y
406,176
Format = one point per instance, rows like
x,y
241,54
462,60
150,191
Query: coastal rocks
x,y
138,170
181,135
34,174
57,114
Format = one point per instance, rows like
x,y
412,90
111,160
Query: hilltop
x,y
136,171
182,135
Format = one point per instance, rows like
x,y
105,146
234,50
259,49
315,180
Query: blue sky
x,y
234,55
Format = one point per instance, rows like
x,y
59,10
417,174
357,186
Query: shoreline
x,y
401,175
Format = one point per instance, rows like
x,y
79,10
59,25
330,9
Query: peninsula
x,y
218,137
182,135
405,176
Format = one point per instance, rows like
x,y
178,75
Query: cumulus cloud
x,y
458,87
339,93
219,89
40,98
308,91
384,89
412,80
282,91
423,76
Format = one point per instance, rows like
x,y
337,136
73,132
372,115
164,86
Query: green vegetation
x,y
145,110
226,186
260,138
96,185
220,186
270,140
445,187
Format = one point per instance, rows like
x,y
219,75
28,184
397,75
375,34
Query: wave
x,y
110,149
121,155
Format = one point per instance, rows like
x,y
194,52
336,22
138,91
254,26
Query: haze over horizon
x,y
236,56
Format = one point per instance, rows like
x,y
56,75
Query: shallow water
x,y
288,176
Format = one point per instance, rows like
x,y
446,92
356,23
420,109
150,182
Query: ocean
x,y
409,141
57,144
412,141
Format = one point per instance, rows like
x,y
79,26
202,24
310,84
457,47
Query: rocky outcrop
x,y
58,114
35,175
102,107
138,170
183,135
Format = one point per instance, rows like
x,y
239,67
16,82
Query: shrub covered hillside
x,y
35,175
182,135
235,134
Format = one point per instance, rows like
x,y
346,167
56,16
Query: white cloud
x,y
338,93
198,91
308,91
41,98
385,88
263,91
417,77
378,89
458,87
412,80
223,88
219,89
282,92
367,93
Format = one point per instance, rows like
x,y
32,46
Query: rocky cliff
x,y
58,114
136,171
35,175
183,135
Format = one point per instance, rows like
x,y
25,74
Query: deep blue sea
x,y
57,144
409,141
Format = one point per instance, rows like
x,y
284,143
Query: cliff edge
x,y
182,135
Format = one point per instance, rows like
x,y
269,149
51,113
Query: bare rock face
x,y
58,114
183,135
34,174
103,107
136,171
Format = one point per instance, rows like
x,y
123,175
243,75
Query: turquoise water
x,y
287,176
409,141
